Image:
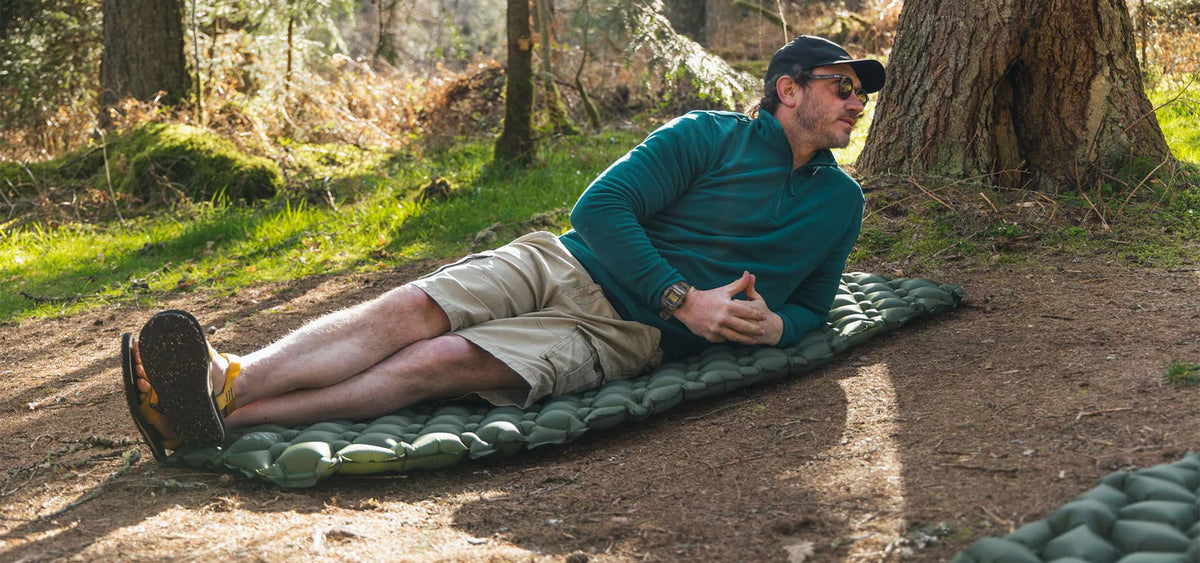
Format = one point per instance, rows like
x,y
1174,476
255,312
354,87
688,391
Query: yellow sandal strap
x,y
225,399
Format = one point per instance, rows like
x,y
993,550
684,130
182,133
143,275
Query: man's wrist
x,y
774,328
673,298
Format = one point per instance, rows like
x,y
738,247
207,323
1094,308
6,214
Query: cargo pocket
x,y
464,260
575,362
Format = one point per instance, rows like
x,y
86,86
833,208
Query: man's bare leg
x,y
328,350
337,346
444,367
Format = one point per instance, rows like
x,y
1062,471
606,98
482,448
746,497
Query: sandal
x,y
144,410
176,357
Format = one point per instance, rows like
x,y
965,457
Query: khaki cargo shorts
x,y
533,306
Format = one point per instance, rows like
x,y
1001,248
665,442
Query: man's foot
x,y
160,423
142,403
175,364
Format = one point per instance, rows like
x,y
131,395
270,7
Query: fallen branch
x,y
131,457
1101,411
1008,471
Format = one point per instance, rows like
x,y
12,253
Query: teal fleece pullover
x,y
704,198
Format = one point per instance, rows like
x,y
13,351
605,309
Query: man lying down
x,y
719,227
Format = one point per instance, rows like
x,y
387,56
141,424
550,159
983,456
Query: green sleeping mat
x,y
1147,516
438,435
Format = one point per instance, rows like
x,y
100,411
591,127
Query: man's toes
x,y
143,385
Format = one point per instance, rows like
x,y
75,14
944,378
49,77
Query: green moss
x,y
155,163
165,160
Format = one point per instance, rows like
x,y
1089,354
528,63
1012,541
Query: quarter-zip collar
x,y
772,132
767,126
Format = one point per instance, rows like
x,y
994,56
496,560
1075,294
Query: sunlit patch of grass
x,y
1179,98
365,216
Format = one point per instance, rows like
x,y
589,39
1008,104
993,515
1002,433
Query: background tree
x,y
143,52
556,112
516,145
1045,93
385,45
49,50
687,17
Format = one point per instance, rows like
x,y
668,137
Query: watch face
x,y
674,296
674,299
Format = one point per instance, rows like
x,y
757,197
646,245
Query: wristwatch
x,y
673,298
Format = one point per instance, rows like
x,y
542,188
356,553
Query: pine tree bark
x,y
143,53
516,145
1037,93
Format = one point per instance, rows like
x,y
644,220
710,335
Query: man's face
x,y
822,115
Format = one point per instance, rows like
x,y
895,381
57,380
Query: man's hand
x,y
716,316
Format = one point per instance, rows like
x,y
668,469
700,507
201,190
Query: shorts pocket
x,y
464,260
586,295
575,362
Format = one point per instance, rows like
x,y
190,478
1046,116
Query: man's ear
x,y
788,90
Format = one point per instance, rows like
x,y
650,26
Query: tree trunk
x,y
385,45
556,112
719,18
589,109
1038,93
143,53
515,145
687,17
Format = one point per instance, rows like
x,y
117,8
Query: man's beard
x,y
815,126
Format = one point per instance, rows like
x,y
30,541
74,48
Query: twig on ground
x,y
1103,222
1139,186
716,410
108,176
914,182
131,457
1008,470
46,299
1101,411
989,202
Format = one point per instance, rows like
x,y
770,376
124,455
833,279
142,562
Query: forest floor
x,y
909,447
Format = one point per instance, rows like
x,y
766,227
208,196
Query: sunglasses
x,y
845,86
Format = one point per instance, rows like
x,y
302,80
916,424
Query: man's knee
x,y
451,365
411,304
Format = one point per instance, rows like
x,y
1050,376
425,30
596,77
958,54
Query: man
x,y
719,227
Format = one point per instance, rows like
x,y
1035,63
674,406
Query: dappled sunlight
x,y
255,527
863,471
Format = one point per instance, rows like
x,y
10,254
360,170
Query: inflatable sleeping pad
x,y
437,435
1147,516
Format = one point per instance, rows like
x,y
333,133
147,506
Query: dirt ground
x,y
910,447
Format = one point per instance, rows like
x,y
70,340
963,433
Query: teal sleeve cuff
x,y
797,321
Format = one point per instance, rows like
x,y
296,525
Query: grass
x,y
370,218
349,209
1179,99
1181,373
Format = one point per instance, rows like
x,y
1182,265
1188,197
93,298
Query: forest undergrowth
x,y
372,166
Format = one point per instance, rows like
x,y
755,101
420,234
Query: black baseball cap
x,y
810,52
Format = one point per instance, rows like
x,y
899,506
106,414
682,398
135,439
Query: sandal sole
x,y
175,355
